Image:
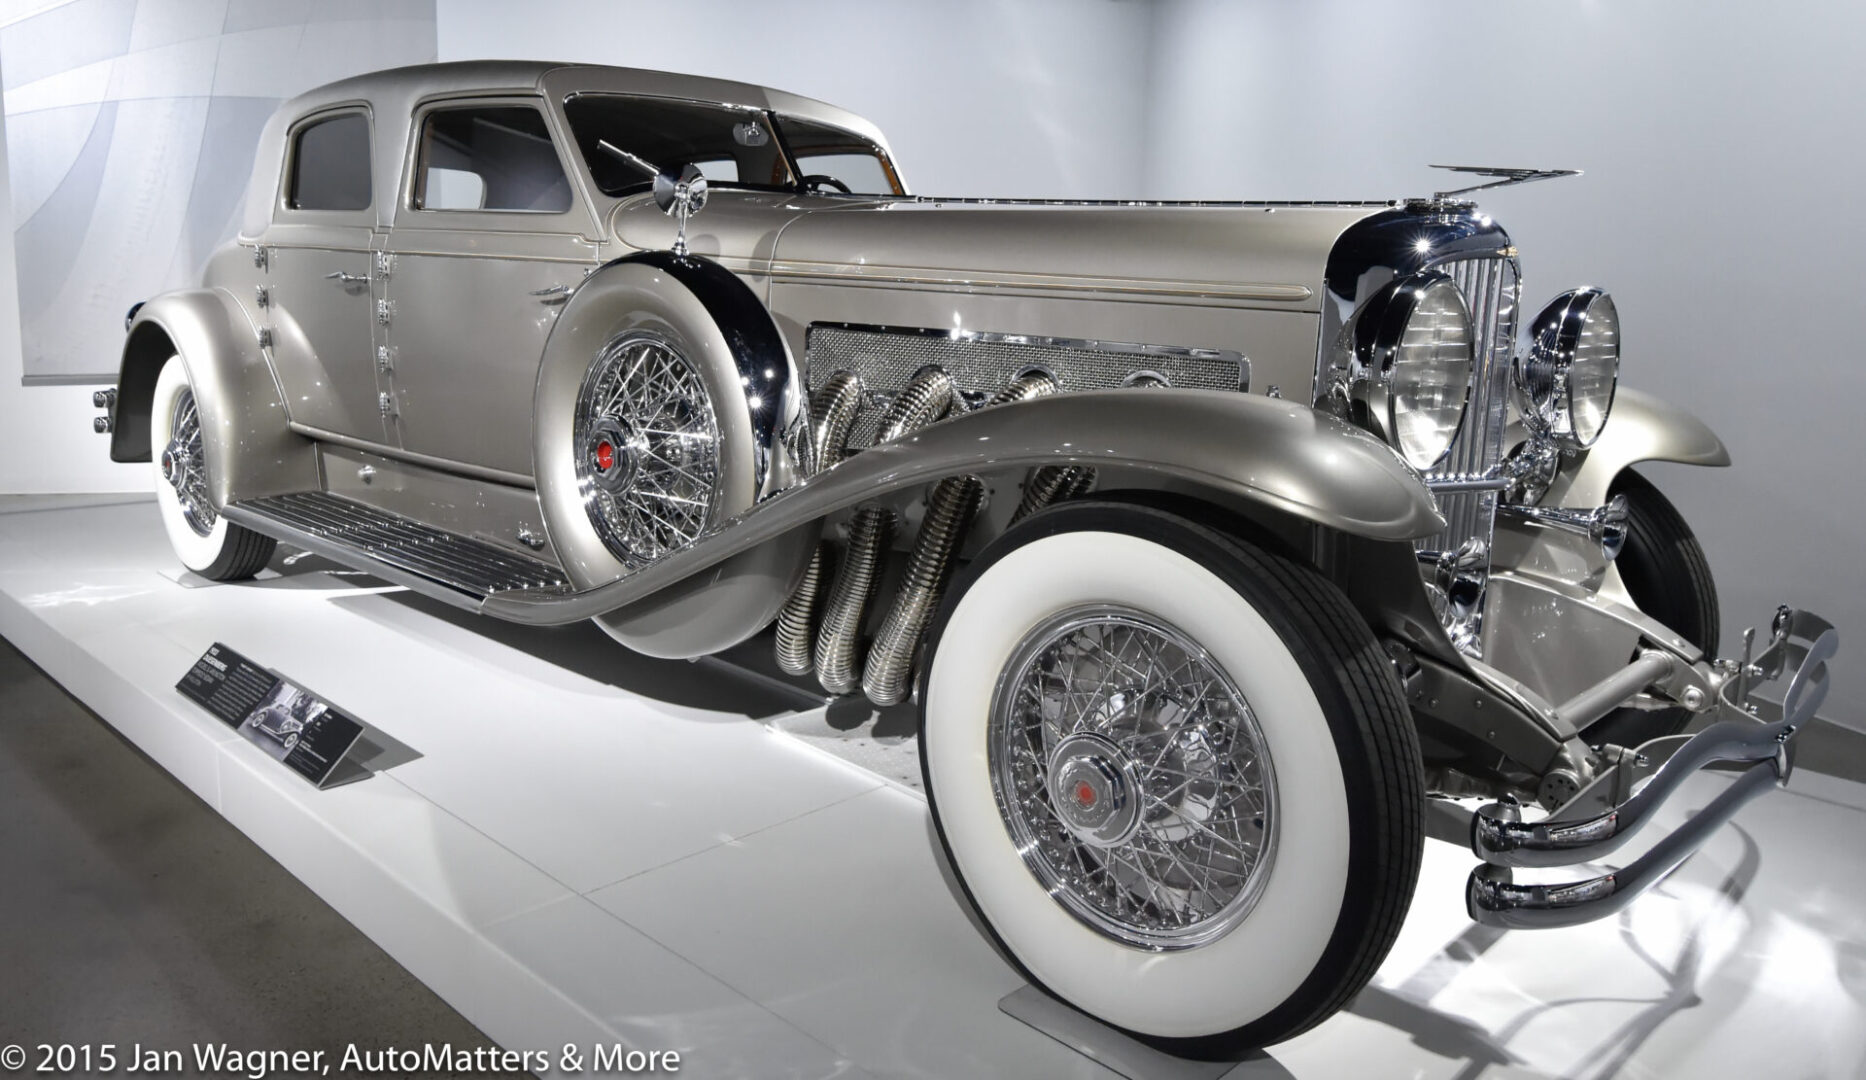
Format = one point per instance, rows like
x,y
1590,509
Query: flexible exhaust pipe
x,y
833,411
951,506
1050,484
839,645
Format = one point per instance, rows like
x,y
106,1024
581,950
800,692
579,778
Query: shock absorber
x,y
839,645
951,506
833,410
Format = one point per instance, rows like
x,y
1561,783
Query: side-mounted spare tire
x,y
667,403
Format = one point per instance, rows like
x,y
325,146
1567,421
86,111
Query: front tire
x,y
1247,810
205,542
1668,577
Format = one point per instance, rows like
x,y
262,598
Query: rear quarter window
x,y
330,164
492,157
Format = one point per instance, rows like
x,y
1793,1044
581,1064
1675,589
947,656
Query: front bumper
x,y
1621,799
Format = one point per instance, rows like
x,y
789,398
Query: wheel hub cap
x,y
1092,784
612,456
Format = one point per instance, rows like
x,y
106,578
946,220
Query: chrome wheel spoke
x,y
1132,776
645,409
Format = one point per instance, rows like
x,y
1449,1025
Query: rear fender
x,y
251,450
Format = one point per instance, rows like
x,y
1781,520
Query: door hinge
x,y
385,358
262,296
386,401
385,264
385,310
265,337
261,260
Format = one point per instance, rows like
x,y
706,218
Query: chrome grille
x,y
1490,288
981,364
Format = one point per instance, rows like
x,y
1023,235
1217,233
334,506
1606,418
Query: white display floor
x,y
585,847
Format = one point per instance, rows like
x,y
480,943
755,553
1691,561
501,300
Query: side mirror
x,y
681,196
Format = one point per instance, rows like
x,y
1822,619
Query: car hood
x,y
1252,254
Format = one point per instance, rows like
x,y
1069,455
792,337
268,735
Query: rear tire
x,y
1668,577
205,542
1268,682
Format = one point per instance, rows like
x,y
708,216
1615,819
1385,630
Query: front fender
x,y
251,450
1642,428
1279,455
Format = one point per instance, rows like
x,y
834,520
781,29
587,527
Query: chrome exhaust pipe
x,y
839,645
951,506
1048,484
833,411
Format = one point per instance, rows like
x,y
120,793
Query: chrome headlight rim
x,y
1379,332
1544,368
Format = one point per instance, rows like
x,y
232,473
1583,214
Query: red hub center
x,y
1085,795
605,455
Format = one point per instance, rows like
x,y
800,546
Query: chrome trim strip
x,y
872,274
990,337
396,453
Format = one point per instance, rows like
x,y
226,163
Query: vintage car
x,y
1213,540
284,722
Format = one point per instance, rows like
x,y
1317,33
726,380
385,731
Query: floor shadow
x,y
583,649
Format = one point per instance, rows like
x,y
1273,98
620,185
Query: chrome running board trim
x,y
459,570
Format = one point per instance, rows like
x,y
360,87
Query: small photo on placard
x,y
281,721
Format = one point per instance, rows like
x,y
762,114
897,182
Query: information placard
x,y
284,719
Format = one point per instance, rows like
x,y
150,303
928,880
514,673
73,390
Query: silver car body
x,y
422,363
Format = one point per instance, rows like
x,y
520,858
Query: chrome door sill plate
x,y
460,570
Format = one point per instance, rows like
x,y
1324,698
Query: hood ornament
x,y
1500,178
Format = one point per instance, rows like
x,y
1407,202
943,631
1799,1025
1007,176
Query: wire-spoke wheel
x,y
1174,774
1130,771
647,448
206,543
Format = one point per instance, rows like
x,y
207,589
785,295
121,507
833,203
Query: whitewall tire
x,y
205,542
1174,774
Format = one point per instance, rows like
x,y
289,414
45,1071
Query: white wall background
x,y
1721,142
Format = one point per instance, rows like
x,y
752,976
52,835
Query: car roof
x,y
393,94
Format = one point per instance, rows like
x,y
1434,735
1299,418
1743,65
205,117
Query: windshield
x,y
622,138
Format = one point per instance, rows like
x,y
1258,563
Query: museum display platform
x,y
573,844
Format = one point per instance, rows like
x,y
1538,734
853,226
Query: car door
x,y
317,292
490,238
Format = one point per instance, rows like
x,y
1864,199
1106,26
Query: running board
x,y
455,569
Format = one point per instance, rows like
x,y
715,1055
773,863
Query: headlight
x,y
1413,344
1567,375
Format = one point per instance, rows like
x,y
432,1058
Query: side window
x,y
330,164
489,157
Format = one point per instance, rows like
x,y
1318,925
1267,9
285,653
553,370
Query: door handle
x,y
553,294
346,279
